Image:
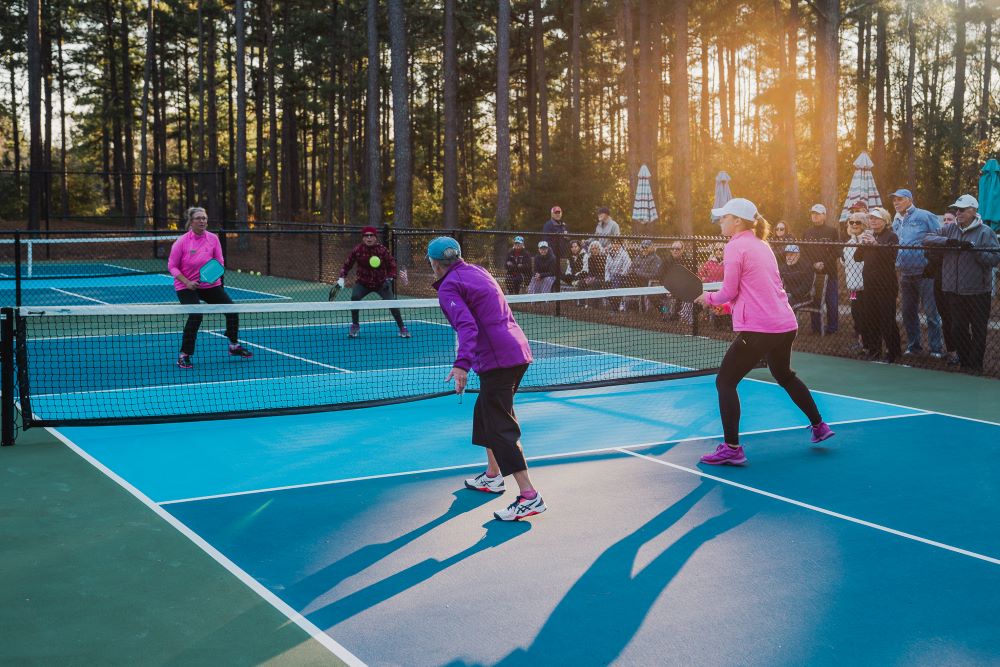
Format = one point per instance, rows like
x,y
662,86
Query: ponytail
x,y
761,227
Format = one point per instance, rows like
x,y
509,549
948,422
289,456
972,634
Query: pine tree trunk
x,y
260,109
958,103
48,111
374,175
984,106
724,125
147,73
881,85
402,217
541,80
34,46
861,74
680,122
503,108
63,188
242,215
16,127
575,76
827,68
128,126
272,109
631,93
790,203
212,123
450,182
908,134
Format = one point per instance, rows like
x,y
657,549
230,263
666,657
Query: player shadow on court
x,y
497,533
654,418
301,594
606,606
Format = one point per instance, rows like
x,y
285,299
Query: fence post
x,y
267,243
8,408
17,269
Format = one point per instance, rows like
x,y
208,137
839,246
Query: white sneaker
x,y
521,509
483,482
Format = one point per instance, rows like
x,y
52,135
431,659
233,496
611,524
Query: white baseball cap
x,y
543,244
818,208
966,201
741,208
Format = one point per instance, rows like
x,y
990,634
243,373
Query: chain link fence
x,y
928,307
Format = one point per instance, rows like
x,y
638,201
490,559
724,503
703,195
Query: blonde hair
x,y
761,227
189,214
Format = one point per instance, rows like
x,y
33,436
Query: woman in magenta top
x,y
188,254
764,323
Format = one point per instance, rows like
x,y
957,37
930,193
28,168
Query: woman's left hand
x,y
461,378
700,300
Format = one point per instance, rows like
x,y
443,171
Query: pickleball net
x,y
91,365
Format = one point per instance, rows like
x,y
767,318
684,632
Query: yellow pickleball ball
x,y
375,262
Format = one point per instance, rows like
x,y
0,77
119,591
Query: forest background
x,y
483,114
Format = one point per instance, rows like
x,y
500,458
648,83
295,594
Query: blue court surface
x,y
880,548
103,289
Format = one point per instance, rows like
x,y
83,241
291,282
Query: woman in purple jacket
x,y
491,343
189,253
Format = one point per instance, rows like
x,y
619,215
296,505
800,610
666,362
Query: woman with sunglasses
x,y
782,237
376,269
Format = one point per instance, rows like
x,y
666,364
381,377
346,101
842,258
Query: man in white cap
x,y
823,259
972,251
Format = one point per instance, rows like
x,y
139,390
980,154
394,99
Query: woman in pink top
x,y
188,254
763,320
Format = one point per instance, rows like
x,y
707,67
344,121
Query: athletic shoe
x,y
353,331
821,432
725,455
522,508
404,332
937,355
240,351
483,482
184,361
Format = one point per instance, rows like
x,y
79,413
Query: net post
x,y
8,408
20,373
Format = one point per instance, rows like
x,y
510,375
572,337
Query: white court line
x,y
79,296
814,508
283,354
893,405
184,385
542,457
312,630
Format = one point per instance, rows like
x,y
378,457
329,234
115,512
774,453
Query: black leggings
x,y
748,349
193,297
494,424
360,291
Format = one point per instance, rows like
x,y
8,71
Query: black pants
x,y
880,311
742,356
969,315
385,291
944,310
494,424
192,297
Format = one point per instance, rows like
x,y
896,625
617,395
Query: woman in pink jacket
x,y
763,320
188,254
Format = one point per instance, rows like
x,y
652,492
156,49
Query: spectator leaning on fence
x,y
966,272
823,259
878,253
517,267
912,225
933,271
606,227
854,277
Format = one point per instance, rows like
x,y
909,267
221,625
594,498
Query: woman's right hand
x,y
190,284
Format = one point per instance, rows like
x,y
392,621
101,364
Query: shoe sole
x,y
829,435
728,462
484,489
517,518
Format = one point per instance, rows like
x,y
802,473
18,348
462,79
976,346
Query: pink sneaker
x,y
725,455
821,432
